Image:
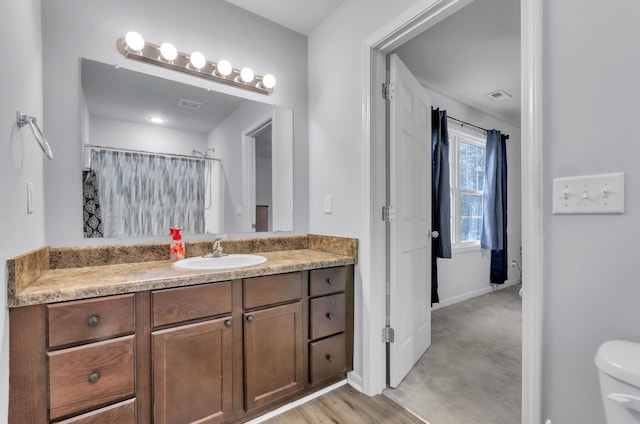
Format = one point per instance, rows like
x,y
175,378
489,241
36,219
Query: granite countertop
x,y
81,282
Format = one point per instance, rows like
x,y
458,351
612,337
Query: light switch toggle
x,y
589,194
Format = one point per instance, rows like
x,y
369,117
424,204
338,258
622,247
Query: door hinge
x,y
388,213
388,90
388,335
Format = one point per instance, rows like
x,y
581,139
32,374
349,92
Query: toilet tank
x,y
619,373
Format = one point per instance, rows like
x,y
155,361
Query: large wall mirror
x,y
159,153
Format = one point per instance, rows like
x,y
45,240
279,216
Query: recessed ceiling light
x,y
157,120
499,95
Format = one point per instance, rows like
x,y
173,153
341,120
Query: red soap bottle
x,y
176,250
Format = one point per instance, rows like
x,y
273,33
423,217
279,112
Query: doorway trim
x,y
404,27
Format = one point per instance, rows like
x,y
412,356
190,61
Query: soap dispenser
x,y
176,250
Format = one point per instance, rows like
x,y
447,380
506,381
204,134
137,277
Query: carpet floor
x,y
471,374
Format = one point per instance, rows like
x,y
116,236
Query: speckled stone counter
x,y
51,275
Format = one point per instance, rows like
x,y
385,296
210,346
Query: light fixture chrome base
x,y
150,53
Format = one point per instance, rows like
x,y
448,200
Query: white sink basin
x,y
231,261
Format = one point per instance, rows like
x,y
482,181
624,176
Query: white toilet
x,y
618,365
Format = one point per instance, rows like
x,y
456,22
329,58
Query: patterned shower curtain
x,y
144,194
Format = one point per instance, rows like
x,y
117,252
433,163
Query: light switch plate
x,y
589,194
328,207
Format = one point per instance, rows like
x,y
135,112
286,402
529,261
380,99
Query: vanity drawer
x,y
327,358
327,281
120,413
85,377
188,303
272,289
93,319
327,315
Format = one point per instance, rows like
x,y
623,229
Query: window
x,y
467,157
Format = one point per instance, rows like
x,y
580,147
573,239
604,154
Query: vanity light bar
x,y
134,47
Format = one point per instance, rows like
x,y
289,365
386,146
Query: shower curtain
x,y
494,201
145,194
440,196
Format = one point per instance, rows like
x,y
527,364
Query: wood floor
x,y
346,405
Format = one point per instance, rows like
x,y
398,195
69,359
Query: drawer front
x,y
89,376
327,358
120,413
327,281
189,303
93,319
272,289
327,315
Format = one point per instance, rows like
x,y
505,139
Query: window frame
x,y
456,133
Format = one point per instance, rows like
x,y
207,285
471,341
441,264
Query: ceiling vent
x,y
189,104
499,95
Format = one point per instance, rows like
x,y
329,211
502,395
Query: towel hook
x,y
23,120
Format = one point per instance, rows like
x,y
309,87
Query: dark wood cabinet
x,y
222,352
192,373
273,354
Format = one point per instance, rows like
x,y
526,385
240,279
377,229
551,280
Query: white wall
x,y
76,28
591,288
128,135
21,159
226,139
466,274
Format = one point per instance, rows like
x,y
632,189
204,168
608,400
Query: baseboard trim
x,y
297,403
474,293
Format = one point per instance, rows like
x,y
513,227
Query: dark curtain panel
x,y
494,225
440,195
91,205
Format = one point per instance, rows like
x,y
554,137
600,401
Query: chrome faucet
x,y
217,250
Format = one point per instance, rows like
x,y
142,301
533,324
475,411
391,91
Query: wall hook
x,y
23,120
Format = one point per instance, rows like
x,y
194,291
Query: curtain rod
x,y
144,152
472,125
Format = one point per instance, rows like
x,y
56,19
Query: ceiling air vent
x,y
189,104
499,95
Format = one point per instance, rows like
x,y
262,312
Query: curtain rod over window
x,y
169,155
471,125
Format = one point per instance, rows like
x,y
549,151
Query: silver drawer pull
x,y
94,377
93,321
228,323
330,358
250,318
329,315
330,281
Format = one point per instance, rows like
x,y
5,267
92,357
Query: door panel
x,y
409,245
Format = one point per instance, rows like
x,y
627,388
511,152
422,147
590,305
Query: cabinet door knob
x,y
330,358
250,318
330,281
228,323
93,321
329,315
94,377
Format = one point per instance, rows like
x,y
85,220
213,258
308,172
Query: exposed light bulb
x,y
224,68
157,120
134,41
246,74
168,51
269,81
198,60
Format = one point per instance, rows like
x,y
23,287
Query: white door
x,y
409,244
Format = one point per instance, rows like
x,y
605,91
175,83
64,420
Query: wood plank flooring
x,y
346,405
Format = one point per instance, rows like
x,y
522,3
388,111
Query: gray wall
x,y
21,159
76,28
591,288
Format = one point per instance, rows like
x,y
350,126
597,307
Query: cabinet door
x,y
192,373
273,354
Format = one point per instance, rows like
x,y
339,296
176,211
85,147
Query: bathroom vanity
x,y
141,342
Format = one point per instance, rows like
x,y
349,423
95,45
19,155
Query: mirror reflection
x,y
159,154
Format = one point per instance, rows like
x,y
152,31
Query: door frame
x,y
414,20
249,171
